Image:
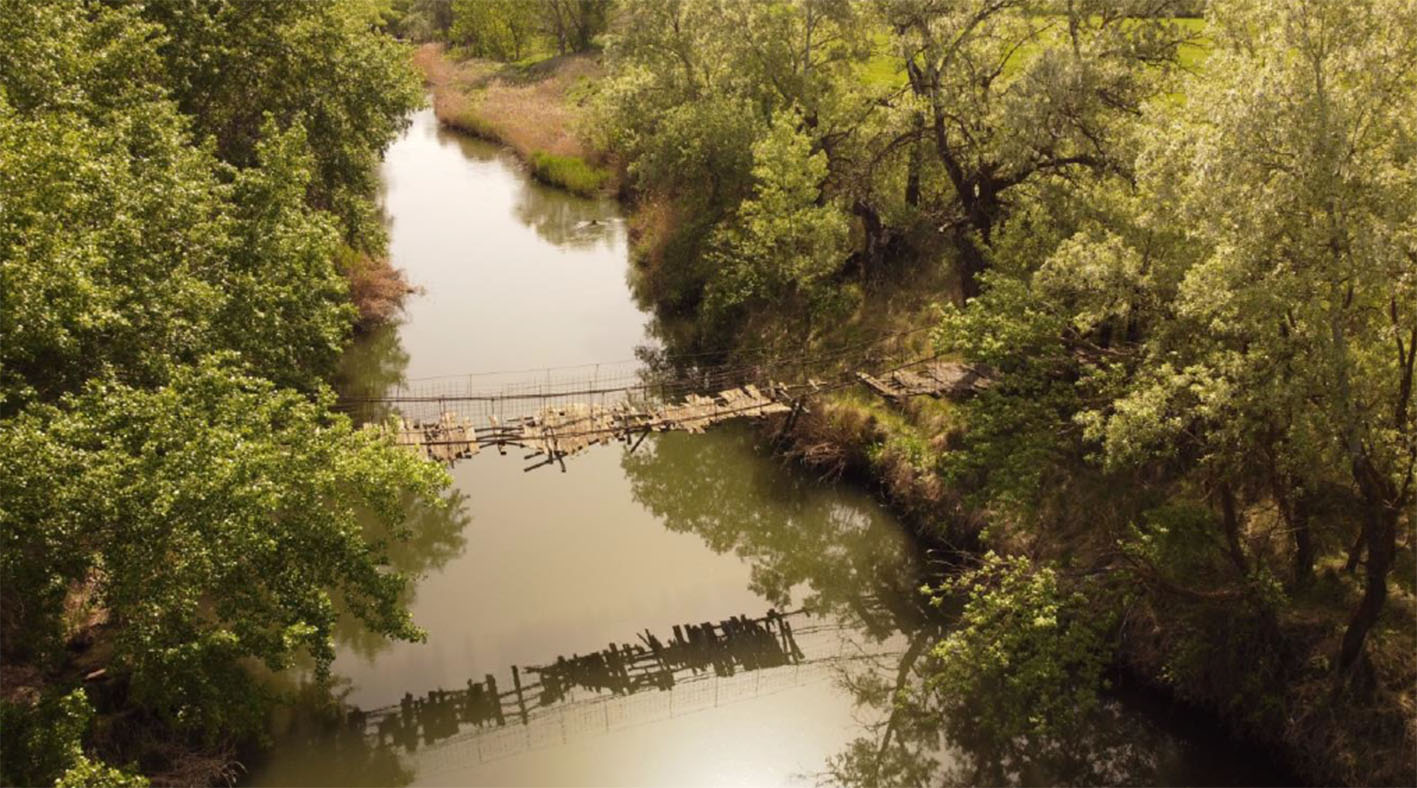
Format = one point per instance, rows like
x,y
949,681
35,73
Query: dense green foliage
x,y
507,29
219,515
721,111
1024,660
779,249
235,67
1192,280
47,740
178,497
1001,98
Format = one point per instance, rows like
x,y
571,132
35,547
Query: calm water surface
x,y
529,566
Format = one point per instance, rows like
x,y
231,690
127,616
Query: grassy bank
x,y
536,109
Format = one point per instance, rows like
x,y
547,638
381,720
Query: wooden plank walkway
x,y
937,379
555,432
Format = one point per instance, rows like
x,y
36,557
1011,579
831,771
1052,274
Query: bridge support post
x,y
790,422
521,701
495,698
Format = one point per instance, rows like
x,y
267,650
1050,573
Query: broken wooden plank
x,y
912,384
879,386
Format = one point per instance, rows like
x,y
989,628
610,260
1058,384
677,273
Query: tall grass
x,y
569,172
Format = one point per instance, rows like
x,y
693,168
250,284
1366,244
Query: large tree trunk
x,y
1294,509
975,194
1380,514
1230,521
873,256
912,172
971,263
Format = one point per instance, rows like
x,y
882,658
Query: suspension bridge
x,y
556,413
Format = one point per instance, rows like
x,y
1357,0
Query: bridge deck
x,y
560,429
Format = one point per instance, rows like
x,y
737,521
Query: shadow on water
x,y
584,694
316,726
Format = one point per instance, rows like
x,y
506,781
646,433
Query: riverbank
x,y
537,110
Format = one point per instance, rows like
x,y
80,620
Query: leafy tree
x,y
178,503
574,24
286,303
694,87
158,293
783,247
43,745
101,264
321,64
1286,352
1203,372
513,29
425,20
104,269
1010,93
1024,662
498,29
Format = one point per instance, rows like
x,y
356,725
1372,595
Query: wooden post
x,y
521,702
788,423
495,698
795,653
797,408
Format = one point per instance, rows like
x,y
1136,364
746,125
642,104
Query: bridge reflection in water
x,y
623,685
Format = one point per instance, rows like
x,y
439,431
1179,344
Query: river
x,y
529,566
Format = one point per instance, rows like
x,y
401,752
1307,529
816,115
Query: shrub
x,y
1025,663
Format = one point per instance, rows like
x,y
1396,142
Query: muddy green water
x,y
534,565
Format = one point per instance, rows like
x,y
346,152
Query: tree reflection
x,y
915,743
472,148
320,746
565,219
432,536
557,216
850,556
372,364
